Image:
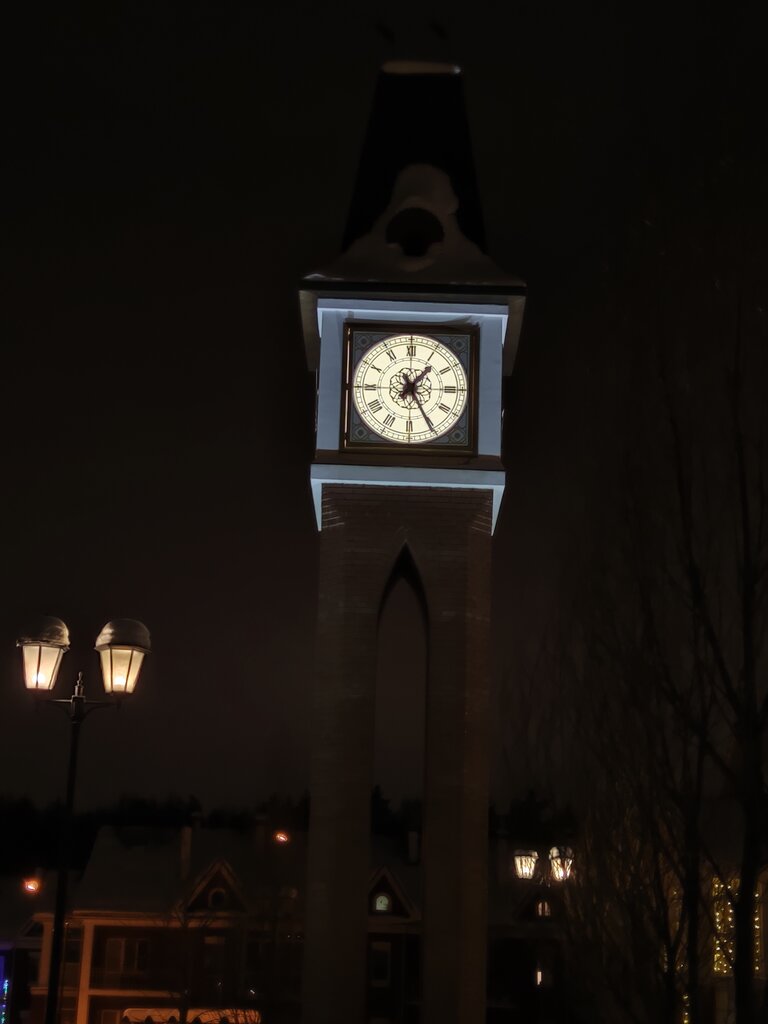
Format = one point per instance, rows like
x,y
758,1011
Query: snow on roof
x,y
418,238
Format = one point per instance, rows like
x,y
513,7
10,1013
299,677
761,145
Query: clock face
x,y
409,389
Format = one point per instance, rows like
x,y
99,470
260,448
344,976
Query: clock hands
x,y
410,384
418,376
410,390
427,420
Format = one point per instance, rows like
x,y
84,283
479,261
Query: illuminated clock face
x,y
412,389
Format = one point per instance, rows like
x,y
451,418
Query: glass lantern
x,y
42,651
561,860
122,645
525,863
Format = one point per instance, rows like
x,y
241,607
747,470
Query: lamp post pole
x,y
122,645
77,712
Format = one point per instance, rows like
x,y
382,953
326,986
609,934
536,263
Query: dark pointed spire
x,y
418,117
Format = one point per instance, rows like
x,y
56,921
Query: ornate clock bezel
x,y
440,332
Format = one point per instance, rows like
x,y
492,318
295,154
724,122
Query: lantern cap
x,y
124,633
48,631
560,851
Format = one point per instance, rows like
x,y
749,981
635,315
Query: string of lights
x,y
723,902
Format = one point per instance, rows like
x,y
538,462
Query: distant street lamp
x,y
561,860
527,865
122,645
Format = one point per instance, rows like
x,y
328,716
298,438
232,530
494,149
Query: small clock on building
x,y
409,388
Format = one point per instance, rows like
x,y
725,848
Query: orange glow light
x,y
31,885
281,837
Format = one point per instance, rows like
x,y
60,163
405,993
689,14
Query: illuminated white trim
x,y
400,476
491,319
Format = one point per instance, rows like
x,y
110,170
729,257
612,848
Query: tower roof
x,y
418,116
415,227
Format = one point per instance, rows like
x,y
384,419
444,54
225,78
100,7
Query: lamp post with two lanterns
x,y
122,645
560,862
530,868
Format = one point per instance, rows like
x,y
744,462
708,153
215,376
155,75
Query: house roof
x,y
387,856
142,869
145,870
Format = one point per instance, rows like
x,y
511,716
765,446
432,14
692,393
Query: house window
x,y
380,964
543,974
70,969
217,899
543,908
126,956
73,945
34,967
215,955
382,903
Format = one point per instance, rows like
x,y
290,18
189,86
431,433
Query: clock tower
x,y
410,331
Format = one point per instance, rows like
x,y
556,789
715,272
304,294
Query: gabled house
x,y
394,926
196,925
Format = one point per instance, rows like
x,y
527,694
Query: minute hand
x,y
427,420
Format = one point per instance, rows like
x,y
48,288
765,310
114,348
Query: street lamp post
x,y
122,645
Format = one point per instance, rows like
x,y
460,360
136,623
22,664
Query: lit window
x,y
382,903
543,975
543,908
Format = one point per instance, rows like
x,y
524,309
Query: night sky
x,y
169,173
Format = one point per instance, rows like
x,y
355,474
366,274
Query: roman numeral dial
x,y
410,389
